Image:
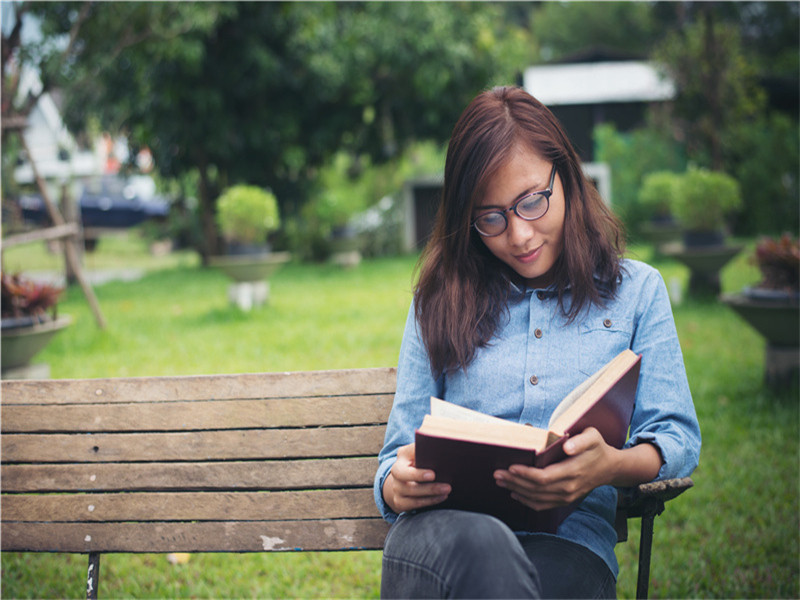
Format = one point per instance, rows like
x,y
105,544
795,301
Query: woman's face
x,y
531,248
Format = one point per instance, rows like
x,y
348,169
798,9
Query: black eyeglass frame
x,y
546,193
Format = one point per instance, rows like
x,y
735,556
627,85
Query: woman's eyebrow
x,y
530,190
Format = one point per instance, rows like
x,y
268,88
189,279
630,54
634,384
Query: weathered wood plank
x,y
255,475
198,445
201,387
248,536
197,414
191,506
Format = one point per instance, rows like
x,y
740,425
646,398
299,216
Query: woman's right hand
x,y
408,488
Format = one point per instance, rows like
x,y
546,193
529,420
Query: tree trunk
x,y
208,225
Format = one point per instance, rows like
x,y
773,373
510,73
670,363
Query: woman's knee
x,y
467,554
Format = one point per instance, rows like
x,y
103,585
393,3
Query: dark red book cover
x,y
469,466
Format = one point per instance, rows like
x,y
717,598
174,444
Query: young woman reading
x,y
522,294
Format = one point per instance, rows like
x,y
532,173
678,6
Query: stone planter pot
x,y
249,274
250,267
24,341
776,316
704,263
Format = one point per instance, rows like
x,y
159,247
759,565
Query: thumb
x,y
583,441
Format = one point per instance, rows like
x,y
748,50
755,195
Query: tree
x,y
265,93
565,29
717,85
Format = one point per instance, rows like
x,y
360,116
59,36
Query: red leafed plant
x,y
26,298
779,262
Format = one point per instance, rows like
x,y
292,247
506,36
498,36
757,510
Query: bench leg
x,y
93,576
645,548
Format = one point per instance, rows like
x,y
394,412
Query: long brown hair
x,y
462,291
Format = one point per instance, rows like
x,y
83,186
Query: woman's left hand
x,y
590,463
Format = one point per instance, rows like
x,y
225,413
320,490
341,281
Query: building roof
x,y
597,83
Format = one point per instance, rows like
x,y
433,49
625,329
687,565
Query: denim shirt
x,y
536,358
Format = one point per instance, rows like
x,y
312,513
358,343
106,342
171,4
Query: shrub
x,y
657,192
703,199
247,214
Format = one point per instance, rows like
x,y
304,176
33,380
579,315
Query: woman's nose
x,y
519,231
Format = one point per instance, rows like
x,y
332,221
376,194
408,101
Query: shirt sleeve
x,y
415,386
664,414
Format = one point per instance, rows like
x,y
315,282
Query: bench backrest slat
x,y
183,506
248,444
202,387
256,475
243,536
199,414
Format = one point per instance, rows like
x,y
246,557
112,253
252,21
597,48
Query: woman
x,y
522,294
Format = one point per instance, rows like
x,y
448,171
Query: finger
x,y
421,490
584,441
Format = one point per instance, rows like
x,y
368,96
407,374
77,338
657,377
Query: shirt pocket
x,y
602,337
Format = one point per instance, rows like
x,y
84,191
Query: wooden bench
x,y
227,463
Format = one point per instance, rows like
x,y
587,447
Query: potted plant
x,y
772,306
656,197
246,216
701,202
29,319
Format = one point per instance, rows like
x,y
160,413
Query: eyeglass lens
x,y
529,208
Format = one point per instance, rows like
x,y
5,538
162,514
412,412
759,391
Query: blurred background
x,y
159,107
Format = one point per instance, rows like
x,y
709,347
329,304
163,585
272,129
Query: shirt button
x,y
607,323
538,333
540,295
534,379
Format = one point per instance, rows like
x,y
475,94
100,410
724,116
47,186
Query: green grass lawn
x,y
734,535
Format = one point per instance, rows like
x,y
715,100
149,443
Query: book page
x,y
570,398
512,435
441,408
592,390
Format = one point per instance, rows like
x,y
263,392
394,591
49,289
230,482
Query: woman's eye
x,y
492,218
531,204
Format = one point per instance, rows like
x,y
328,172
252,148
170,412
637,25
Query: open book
x,y
464,447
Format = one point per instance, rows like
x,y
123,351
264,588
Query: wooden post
x,y
71,252
72,214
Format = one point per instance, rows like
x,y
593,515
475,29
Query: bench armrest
x,y
640,500
646,500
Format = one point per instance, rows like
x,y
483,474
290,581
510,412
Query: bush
x,y
631,156
247,214
657,192
763,155
703,199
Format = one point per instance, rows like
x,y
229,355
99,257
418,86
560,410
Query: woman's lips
x,y
529,257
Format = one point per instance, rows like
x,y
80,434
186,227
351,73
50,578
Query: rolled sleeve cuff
x,y
676,461
380,476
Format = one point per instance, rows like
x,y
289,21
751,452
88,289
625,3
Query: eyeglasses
x,y
529,208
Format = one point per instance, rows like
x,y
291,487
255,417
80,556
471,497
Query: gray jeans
x,y
457,554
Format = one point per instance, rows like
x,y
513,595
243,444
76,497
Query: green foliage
x,y
657,192
763,155
266,92
631,156
348,186
247,214
703,199
568,28
716,84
